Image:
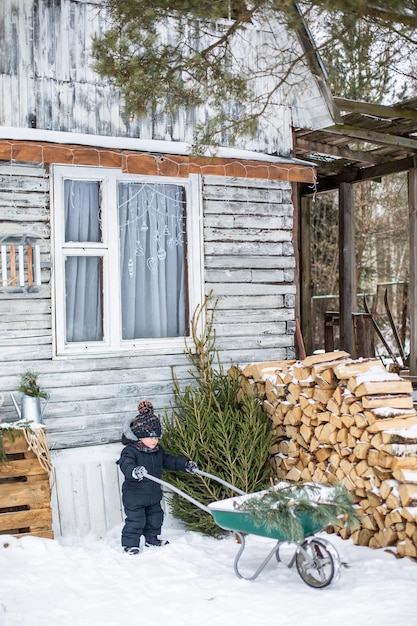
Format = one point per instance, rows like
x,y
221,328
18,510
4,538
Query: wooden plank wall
x,y
46,67
249,266
249,263
46,82
25,322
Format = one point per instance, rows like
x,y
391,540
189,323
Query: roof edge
x,y
139,145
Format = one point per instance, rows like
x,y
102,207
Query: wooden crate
x,y
25,493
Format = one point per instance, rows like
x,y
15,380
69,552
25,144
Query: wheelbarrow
x,y
316,559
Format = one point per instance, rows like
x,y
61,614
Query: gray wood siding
x,y
249,266
25,321
47,81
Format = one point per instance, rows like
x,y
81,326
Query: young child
x,y
142,497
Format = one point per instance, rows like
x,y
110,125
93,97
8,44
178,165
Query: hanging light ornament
x,y
139,251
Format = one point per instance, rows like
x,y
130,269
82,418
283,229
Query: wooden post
x,y
412,212
305,272
363,332
347,287
331,321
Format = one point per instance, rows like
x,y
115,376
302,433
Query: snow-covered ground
x,y
191,582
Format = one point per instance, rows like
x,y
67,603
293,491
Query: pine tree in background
x,y
228,437
168,56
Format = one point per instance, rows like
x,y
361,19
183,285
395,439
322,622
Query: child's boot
x,y
154,542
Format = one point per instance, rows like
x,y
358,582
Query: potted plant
x,y
29,385
32,392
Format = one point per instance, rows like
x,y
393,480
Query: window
x,y
127,259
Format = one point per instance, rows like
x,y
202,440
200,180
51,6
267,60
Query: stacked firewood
x,y
338,419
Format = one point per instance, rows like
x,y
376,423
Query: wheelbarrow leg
x,y
274,551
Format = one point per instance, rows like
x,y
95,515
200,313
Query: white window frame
x,y
109,177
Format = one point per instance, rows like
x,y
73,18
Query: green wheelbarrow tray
x,y
317,561
229,518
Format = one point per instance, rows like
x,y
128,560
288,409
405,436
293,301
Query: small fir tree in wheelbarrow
x,y
295,510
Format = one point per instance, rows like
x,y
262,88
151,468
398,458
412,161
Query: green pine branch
x,y
29,385
290,508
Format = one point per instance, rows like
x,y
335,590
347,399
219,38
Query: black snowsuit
x,y
142,498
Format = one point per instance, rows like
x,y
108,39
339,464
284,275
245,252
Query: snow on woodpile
x,y
349,421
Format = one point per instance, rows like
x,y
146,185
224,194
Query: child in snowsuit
x,y
142,497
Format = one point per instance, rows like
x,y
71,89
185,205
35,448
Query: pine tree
x,y
228,437
165,56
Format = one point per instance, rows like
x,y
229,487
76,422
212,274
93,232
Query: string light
x,y
145,163
141,162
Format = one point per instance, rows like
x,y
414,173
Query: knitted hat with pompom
x,y
146,423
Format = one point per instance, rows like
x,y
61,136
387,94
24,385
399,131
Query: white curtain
x,y
83,274
152,253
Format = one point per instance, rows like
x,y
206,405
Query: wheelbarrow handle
x,y
203,507
220,480
178,491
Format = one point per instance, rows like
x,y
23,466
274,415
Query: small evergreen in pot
x,y
32,393
29,385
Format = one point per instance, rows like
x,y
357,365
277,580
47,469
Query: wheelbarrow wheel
x,y
318,562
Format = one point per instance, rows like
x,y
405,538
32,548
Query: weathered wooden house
x,y
112,232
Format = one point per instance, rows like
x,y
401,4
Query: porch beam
x,y
377,110
355,174
371,136
307,147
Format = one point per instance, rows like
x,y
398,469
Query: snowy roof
x,y
138,145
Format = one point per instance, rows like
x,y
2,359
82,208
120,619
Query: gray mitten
x,y
191,467
139,472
